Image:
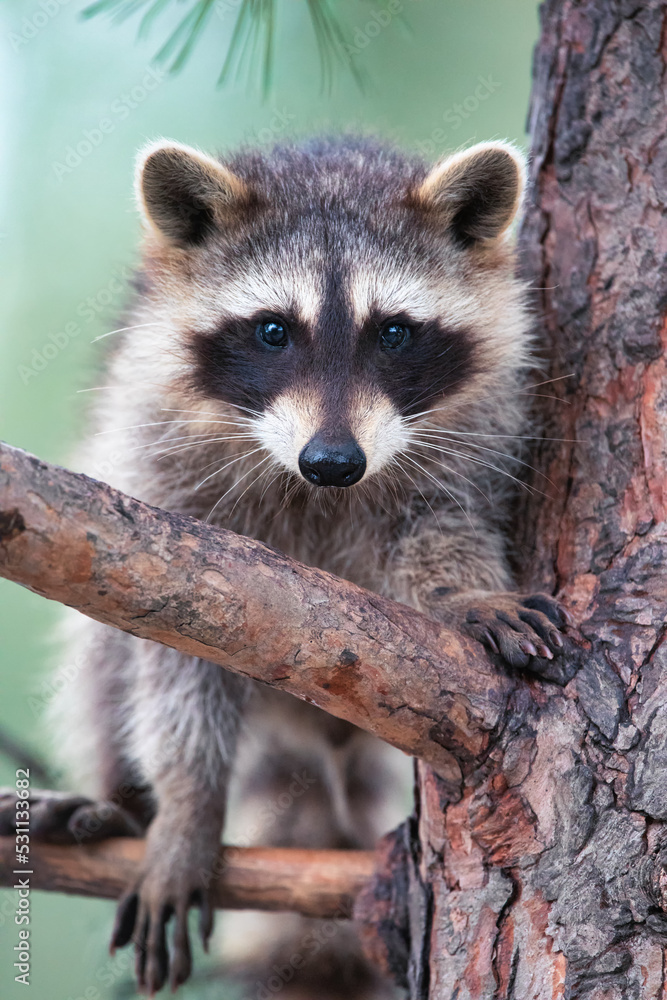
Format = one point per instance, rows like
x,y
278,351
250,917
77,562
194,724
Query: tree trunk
x,y
542,876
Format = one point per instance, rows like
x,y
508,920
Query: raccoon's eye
x,y
273,332
393,335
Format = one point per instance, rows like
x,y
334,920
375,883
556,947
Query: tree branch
x,y
207,592
314,883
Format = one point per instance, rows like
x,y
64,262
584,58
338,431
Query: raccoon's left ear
x,y
184,194
476,193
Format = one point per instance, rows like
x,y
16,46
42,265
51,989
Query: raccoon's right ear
x,y
476,193
184,194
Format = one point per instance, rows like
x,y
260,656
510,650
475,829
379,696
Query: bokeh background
x,y
439,74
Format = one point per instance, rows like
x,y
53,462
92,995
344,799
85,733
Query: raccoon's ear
x,y
184,194
477,192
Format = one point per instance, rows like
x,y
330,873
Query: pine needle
x,y
252,43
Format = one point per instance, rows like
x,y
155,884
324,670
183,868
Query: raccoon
x,y
326,352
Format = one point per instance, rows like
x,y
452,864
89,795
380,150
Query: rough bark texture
x,y
541,877
314,883
429,690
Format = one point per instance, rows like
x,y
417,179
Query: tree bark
x,y
542,875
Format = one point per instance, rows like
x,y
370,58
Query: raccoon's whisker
x,y
492,451
365,489
549,381
487,465
295,486
424,394
216,460
163,423
349,510
442,353
98,388
271,481
376,494
252,481
210,413
455,472
512,437
518,392
291,484
398,491
538,395
123,329
235,484
167,452
245,409
412,480
232,461
194,439
442,486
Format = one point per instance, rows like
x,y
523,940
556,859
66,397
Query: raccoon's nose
x,y
324,464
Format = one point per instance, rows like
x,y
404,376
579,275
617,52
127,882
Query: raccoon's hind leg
x,y
88,700
306,779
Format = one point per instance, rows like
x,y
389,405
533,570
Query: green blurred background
x,y
440,75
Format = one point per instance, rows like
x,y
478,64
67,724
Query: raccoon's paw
x,y
169,886
526,630
63,818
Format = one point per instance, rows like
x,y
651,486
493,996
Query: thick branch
x,y
314,883
234,601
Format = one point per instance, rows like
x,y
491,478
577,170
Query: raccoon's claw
x,y
151,955
126,916
523,629
205,918
142,917
62,818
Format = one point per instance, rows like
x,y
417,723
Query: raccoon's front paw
x,y
63,818
169,885
525,629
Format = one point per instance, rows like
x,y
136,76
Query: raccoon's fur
x,y
325,353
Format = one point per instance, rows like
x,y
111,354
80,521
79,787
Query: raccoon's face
x,y
335,297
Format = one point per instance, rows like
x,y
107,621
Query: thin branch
x,y
314,883
210,593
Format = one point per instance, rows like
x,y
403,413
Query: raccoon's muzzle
x,y
325,464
